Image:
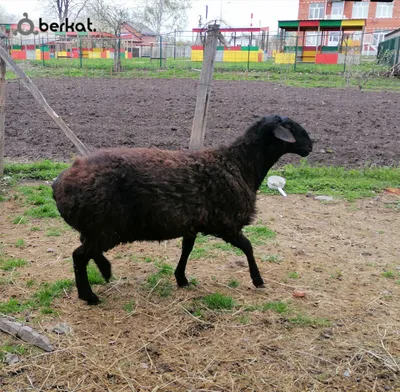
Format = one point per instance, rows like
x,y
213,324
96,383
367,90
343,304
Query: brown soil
x,y
350,128
340,251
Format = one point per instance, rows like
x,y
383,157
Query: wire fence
x,y
245,51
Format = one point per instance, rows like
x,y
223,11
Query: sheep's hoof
x,y
259,284
182,282
92,299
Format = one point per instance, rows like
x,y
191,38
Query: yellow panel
x,y
38,56
309,53
354,22
97,49
197,55
284,58
240,56
61,54
95,55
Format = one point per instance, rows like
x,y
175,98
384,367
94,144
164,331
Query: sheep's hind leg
x,y
81,259
243,243
187,246
103,265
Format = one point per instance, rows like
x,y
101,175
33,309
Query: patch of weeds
x,y
18,349
198,253
389,274
143,259
227,247
338,274
118,255
11,263
159,281
20,243
193,282
42,170
304,320
244,319
35,228
198,313
218,301
201,238
293,275
41,198
129,306
30,283
259,234
397,281
14,306
233,283
276,306
19,220
350,184
272,259
48,292
94,274
48,310
53,233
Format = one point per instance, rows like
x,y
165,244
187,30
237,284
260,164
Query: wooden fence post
x,y
2,113
204,91
42,101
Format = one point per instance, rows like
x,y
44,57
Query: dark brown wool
x,y
121,195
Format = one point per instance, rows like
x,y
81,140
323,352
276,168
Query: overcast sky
x,y
236,13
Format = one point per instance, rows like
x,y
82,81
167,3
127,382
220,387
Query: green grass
x,y
48,292
304,320
9,264
293,275
94,274
40,201
272,259
129,306
389,274
20,243
19,220
159,282
233,283
258,235
6,348
350,184
306,75
276,306
53,233
41,170
218,301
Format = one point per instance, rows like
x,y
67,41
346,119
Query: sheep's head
x,y
295,137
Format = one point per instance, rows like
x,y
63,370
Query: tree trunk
x,y
117,56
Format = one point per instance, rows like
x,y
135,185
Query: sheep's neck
x,y
254,161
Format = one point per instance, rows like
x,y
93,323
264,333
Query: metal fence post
x,y
295,53
80,52
160,51
43,50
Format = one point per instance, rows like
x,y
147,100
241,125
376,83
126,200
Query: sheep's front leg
x,y
243,243
81,259
187,246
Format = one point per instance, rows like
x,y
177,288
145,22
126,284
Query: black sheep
x,y
121,195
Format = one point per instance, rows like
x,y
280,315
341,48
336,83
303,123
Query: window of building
x,y
317,11
379,36
360,10
313,38
384,10
333,38
337,10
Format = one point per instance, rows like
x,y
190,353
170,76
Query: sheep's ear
x,y
284,134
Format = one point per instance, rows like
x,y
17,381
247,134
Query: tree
x,y
111,17
168,14
6,17
63,9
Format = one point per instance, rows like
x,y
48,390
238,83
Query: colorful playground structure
x,y
234,53
333,40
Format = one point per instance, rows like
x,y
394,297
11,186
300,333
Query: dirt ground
x,y
350,128
342,253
